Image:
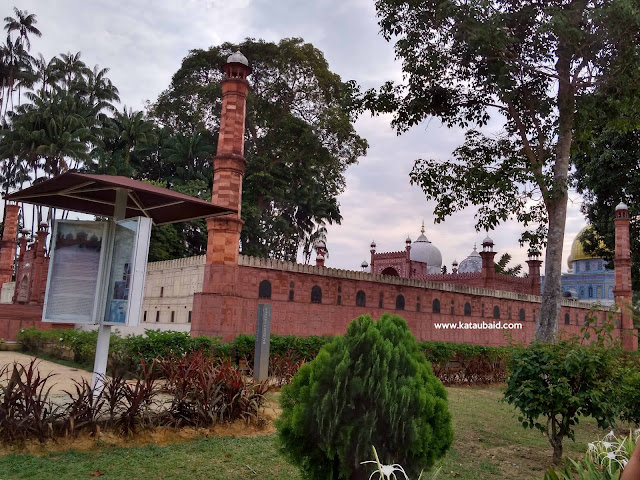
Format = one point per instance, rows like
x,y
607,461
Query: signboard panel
x,y
78,249
127,272
97,272
263,342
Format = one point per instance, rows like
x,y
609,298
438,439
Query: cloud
x,y
143,43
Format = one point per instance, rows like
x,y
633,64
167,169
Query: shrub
x,y
554,385
604,460
26,409
630,397
206,390
460,363
156,343
370,387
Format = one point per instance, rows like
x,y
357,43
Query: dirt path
x,y
63,376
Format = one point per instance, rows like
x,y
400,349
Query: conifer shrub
x,y
371,386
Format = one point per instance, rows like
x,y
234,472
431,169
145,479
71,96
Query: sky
x,y
143,42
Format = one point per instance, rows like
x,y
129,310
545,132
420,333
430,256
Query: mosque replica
x,y
217,294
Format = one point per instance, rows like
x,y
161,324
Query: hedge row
x,y
197,391
452,363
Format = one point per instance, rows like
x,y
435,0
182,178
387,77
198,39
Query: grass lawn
x,y
489,444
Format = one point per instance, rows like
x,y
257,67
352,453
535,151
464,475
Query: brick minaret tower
x,y
229,163
488,267
216,314
8,243
534,264
40,267
622,290
321,251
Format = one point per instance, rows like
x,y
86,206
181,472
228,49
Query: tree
x,y
525,61
606,164
15,61
370,387
555,385
502,266
299,136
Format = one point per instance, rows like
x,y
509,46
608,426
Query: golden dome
x,y
577,249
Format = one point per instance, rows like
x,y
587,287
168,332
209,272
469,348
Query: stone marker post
x,y
263,337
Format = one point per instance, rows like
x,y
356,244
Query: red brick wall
x,y
235,312
14,317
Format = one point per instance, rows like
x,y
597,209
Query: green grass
x,y
211,459
489,444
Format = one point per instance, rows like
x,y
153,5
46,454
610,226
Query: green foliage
x,y
554,385
371,386
604,460
299,137
502,266
460,363
629,397
202,392
607,137
528,61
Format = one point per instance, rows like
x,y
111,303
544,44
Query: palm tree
x,y
46,75
190,155
99,90
15,61
24,25
133,131
72,70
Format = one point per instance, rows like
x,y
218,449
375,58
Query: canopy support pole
x,y
104,331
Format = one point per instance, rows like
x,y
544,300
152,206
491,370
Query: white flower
x,y
611,456
387,471
607,444
610,435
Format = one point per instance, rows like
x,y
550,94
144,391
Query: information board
x,y
97,272
127,271
78,250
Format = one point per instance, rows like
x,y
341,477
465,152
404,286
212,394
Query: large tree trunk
x,y
556,201
547,325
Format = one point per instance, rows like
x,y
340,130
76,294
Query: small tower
x,y
622,291
454,266
321,251
8,243
40,267
407,248
534,264
488,267
373,252
364,265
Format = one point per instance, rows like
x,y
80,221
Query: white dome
x,y
471,264
622,206
238,58
422,250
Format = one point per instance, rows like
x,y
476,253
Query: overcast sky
x,y
143,43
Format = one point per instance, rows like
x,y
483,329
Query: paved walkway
x,y
62,379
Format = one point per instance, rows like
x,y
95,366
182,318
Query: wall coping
x,y
177,263
270,264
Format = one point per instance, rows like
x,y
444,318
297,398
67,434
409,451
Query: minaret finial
x,y
422,231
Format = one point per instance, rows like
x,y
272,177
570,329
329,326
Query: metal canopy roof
x,y
96,194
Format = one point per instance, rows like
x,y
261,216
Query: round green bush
x,y
370,387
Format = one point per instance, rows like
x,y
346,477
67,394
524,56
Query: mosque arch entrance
x,y
390,271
